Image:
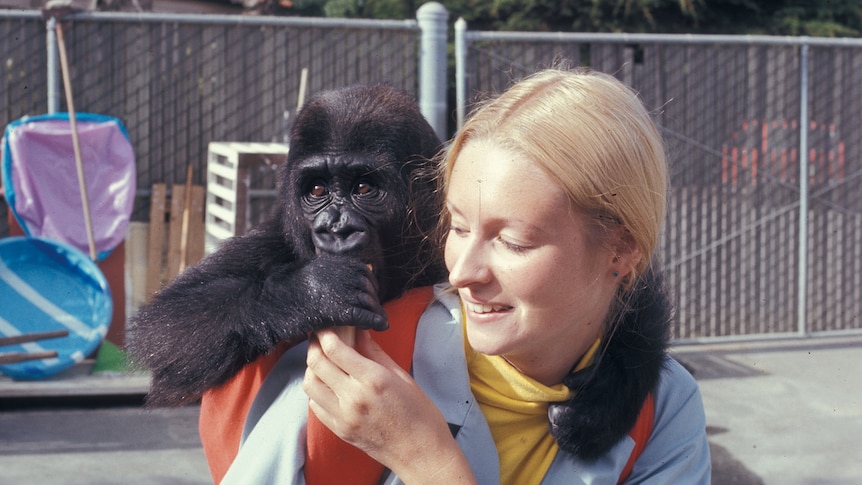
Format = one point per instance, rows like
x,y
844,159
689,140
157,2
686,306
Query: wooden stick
x,y
79,162
13,357
303,86
32,337
187,207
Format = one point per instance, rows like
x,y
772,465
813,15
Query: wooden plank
x,y
196,226
156,239
136,267
175,232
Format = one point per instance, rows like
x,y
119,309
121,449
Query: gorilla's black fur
x,y
358,188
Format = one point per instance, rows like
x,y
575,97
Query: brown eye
x,y
318,189
363,188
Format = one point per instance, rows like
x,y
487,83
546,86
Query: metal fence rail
x,y
740,116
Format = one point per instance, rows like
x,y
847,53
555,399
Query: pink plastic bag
x,y
41,183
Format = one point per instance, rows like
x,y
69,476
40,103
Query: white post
x,y
432,18
53,66
460,70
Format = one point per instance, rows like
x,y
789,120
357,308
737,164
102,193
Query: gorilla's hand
x,y
338,290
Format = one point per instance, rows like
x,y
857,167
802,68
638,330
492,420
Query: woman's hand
x,y
366,399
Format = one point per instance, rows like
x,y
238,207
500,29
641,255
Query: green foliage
x,y
774,17
577,15
371,9
827,18
823,18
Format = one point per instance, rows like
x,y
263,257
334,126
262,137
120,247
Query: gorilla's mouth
x,y
352,244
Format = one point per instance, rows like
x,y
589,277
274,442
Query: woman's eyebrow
x,y
531,228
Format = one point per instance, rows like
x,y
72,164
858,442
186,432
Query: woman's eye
x,y
457,230
515,248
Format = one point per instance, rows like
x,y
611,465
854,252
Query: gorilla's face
x,y
359,182
354,204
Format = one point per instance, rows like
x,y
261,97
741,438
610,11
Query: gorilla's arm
x,y
237,304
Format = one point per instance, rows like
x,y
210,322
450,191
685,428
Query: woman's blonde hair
x,y
593,135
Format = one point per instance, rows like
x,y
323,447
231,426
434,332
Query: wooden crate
x,y
231,167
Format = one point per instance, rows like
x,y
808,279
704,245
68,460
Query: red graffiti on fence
x,y
770,149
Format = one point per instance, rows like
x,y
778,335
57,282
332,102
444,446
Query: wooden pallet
x,y
230,185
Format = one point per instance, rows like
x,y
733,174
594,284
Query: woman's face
x,y
535,286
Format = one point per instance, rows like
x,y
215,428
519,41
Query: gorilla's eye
x,y
317,189
363,187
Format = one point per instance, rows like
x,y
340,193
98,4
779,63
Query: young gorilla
x,y
356,202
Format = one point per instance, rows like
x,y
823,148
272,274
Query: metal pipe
x,y
623,38
460,70
802,282
253,20
53,66
432,18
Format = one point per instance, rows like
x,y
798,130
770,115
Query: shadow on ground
x,y
725,468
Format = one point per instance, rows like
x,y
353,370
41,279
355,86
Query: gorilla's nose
x,y
340,231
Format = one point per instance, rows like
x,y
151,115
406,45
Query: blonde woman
x,y
542,360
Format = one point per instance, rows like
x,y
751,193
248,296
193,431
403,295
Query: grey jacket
x,y
273,449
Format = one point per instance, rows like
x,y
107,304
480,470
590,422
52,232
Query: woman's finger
x,y
325,357
322,377
321,399
316,389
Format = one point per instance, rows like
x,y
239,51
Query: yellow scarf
x,y
516,408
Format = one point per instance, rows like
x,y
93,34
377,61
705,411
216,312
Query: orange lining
x,y
640,433
224,409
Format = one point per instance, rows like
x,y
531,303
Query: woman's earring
x,y
616,274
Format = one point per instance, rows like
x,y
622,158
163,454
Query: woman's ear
x,y
626,254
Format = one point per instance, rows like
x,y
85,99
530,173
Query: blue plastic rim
x,y
45,286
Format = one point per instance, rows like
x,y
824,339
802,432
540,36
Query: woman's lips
x,y
482,308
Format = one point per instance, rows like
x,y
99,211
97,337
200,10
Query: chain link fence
x,y
179,82
737,252
740,115
24,85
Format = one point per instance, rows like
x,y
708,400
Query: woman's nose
x,y
467,264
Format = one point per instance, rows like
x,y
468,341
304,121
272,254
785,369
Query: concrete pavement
x,y
782,412
105,446
778,412
81,429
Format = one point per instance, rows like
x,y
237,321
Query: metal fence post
x,y
460,69
432,18
53,66
802,308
